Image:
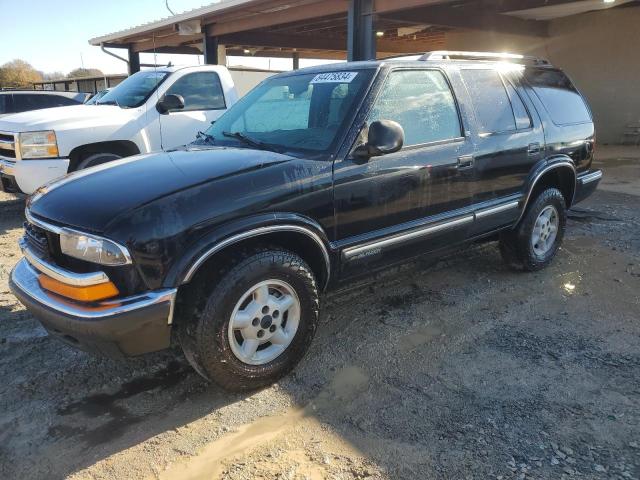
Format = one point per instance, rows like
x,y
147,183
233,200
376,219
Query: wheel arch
x,y
559,172
299,235
124,148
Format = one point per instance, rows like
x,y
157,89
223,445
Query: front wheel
x,y
536,239
97,159
257,322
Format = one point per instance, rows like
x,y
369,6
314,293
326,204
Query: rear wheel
x,y
256,323
536,239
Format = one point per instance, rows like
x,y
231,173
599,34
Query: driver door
x,y
380,203
204,102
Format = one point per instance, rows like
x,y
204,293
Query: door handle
x,y
465,162
533,148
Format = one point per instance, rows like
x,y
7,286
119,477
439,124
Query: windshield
x,y
293,113
135,90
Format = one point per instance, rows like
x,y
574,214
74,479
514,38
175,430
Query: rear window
x,y
559,97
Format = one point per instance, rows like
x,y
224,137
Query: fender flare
x,y
548,164
248,228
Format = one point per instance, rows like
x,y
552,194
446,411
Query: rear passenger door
x,y
509,141
204,102
394,196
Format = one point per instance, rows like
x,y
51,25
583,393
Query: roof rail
x,y
489,56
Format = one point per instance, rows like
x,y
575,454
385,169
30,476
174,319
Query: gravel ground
x,y
457,370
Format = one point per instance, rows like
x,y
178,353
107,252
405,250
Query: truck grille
x,y
7,145
37,240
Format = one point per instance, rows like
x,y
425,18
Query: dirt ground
x,y
457,370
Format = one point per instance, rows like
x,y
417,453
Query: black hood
x,y
91,199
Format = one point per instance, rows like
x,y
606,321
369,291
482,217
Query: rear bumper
x,y
116,328
586,184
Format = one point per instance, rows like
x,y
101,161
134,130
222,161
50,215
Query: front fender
x,y
244,229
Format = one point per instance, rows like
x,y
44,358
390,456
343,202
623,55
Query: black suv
x,y
316,176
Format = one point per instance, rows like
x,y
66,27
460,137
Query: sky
x,y
53,35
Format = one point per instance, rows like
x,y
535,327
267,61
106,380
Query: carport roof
x,y
318,28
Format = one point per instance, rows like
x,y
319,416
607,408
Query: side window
x,y
422,102
523,120
559,97
490,100
201,91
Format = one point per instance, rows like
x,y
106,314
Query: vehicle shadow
x,y
12,212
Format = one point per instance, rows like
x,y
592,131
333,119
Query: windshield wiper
x,y
109,102
252,142
206,136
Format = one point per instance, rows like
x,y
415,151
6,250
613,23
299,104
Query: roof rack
x,y
488,56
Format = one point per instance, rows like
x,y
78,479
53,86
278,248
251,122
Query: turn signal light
x,y
82,294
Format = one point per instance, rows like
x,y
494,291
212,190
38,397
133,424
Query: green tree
x,y
85,72
18,74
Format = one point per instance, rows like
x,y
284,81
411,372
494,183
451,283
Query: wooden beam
x,y
289,15
173,40
267,40
471,18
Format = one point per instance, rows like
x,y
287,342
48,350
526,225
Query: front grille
x,y
37,240
7,145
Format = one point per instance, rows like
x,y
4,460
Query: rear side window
x,y
491,101
201,91
559,97
422,102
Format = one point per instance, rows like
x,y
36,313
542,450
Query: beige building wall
x,y
599,50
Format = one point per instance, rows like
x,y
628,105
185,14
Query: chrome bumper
x,y
60,274
25,277
7,167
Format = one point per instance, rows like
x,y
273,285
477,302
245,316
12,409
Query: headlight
x,y
93,249
38,144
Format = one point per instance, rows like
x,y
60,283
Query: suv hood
x,y
91,199
61,118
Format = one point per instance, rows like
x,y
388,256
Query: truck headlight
x,y
93,249
38,144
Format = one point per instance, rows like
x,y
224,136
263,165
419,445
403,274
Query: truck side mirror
x,y
170,102
384,136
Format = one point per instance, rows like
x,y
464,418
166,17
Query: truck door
x,y
398,197
204,102
509,141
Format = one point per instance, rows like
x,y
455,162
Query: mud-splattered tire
x,y
266,295
534,242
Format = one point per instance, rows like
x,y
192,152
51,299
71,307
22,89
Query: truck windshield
x,y
135,90
299,112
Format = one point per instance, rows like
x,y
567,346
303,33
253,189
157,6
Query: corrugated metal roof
x,y
196,13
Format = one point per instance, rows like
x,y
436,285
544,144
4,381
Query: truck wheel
x,y
97,159
255,324
536,239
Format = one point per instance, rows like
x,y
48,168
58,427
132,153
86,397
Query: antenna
x,y
155,71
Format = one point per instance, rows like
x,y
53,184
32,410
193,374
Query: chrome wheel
x,y
264,322
545,231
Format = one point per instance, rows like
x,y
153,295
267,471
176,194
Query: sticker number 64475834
x,y
334,77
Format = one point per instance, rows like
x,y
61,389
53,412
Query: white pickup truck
x,y
151,110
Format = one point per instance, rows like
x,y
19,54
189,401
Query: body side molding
x,y
254,233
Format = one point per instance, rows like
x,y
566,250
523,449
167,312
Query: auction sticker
x,y
334,77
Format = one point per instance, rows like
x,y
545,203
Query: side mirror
x,y
385,136
170,102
